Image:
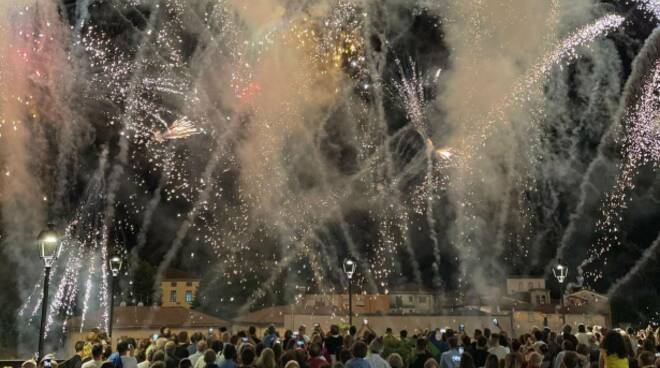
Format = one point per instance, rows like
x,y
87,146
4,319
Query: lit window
x,y
173,284
173,296
189,297
189,283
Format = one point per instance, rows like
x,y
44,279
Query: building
x,y
362,303
527,289
142,322
411,299
178,288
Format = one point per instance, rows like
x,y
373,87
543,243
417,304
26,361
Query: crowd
x,y
588,347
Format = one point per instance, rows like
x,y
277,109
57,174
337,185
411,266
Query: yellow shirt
x,y
613,361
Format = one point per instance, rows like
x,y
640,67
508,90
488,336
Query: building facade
x,y
178,289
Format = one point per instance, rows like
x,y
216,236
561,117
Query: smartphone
x,y
154,337
461,350
495,322
300,343
461,328
366,322
295,334
210,330
244,339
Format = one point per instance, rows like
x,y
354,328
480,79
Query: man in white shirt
x,y
496,349
374,359
201,348
582,335
97,354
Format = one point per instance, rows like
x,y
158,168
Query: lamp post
x,y
115,267
50,247
560,271
349,270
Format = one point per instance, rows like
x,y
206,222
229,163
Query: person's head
x,y
567,329
216,345
567,345
267,358
229,352
571,360
359,349
158,364
376,346
646,359
209,356
182,337
334,330
420,344
79,347
492,361
29,364
302,330
345,355
352,330
395,360
613,344
534,360
649,344
315,350
292,364
388,331
453,342
201,345
466,361
482,341
581,328
513,360
165,332
247,355
97,351
186,363
495,339
122,347
431,363
487,332
270,330
403,334
158,356
170,348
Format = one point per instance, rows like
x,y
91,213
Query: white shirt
x,y
499,351
143,364
376,361
92,364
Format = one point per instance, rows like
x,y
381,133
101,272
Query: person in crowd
x,y
148,360
466,361
481,351
359,353
513,360
431,363
182,346
127,356
270,336
582,335
199,352
171,360
452,357
185,363
613,353
267,359
421,354
570,360
29,364
567,346
316,359
496,348
534,360
291,364
646,359
395,361
492,361
97,357
76,360
333,343
248,356
229,353
375,359
209,359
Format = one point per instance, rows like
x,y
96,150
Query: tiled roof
x,y
175,274
152,317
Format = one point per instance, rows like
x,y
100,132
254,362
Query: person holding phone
x,y
452,357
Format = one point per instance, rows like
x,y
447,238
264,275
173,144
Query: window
x,y
538,299
189,283
398,301
543,301
189,297
520,286
410,299
173,284
530,285
422,299
173,296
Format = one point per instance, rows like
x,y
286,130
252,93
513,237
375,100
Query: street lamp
x,y
49,250
115,267
349,270
560,271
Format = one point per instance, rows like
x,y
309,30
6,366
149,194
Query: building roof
x,y
173,274
135,317
274,315
409,288
513,277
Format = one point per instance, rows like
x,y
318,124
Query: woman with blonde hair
x,y
266,359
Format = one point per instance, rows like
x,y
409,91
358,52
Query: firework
x,y
180,129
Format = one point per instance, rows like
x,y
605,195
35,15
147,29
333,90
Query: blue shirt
x,y
450,359
228,364
357,363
